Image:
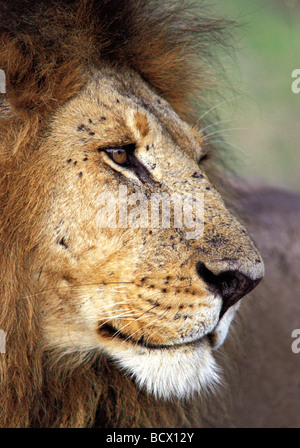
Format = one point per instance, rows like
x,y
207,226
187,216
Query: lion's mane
x,y
46,50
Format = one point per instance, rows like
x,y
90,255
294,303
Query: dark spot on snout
x,y
63,243
83,127
197,175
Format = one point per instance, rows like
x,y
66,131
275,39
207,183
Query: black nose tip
x,y
230,285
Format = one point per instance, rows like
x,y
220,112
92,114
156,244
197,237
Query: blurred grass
x,y
268,50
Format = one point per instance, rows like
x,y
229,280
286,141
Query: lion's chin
x,y
173,372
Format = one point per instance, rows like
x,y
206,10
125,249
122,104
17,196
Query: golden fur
x,y
82,79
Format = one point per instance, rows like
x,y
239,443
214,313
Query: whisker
x,y
114,317
136,319
220,104
153,323
218,122
73,288
223,130
229,143
154,306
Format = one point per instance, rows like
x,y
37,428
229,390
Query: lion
x,y
114,316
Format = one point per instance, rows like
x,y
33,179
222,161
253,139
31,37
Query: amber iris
x,y
119,156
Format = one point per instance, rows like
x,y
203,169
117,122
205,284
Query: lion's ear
x,y
18,97
19,89
37,81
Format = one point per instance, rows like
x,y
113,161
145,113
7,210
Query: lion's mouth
x,y
108,331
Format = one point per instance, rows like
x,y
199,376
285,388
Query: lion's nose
x,y
231,284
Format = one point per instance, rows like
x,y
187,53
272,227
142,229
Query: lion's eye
x,y
204,157
125,157
119,156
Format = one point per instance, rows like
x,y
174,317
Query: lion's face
x,y
155,294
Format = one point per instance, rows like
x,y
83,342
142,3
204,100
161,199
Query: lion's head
x,y
154,297
90,258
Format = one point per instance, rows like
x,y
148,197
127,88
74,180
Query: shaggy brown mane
x,y
48,45
46,49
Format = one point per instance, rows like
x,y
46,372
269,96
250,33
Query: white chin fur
x,y
171,372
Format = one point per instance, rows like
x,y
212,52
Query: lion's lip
x,y
108,331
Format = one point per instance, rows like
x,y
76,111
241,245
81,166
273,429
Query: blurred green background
x,y
267,145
